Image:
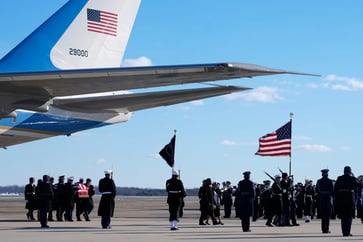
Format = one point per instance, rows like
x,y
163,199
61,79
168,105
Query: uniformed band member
x,y
30,199
175,189
309,200
44,194
324,191
107,188
345,190
245,195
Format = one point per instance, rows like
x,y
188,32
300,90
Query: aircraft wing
x,y
32,91
139,101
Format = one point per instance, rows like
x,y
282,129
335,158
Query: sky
x,y
218,137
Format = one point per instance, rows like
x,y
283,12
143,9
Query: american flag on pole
x,y
277,143
102,22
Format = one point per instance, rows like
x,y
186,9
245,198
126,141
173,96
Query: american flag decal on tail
x,y
102,22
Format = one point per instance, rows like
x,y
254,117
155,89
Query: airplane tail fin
x,y
81,34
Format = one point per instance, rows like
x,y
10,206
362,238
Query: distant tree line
x,y
124,191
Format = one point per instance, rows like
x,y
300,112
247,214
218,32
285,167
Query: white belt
x,y
105,193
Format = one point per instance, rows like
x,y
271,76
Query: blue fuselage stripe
x,y
56,125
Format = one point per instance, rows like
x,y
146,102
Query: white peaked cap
x,y
175,173
108,172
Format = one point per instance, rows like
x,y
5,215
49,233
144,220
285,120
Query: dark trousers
x,y
105,221
43,216
227,208
325,220
174,211
346,224
245,221
68,214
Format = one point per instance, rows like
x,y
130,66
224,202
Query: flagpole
x,y
174,151
291,115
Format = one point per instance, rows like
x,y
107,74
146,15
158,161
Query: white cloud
x,y
301,138
197,103
141,61
228,142
342,83
100,161
262,94
317,148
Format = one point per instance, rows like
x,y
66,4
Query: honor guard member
x,y
30,198
345,196
107,188
266,200
245,195
309,200
285,185
276,203
91,193
176,192
44,195
82,200
324,191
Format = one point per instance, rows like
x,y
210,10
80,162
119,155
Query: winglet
x,y
264,70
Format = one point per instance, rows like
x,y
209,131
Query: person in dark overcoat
x,y
345,191
58,190
91,193
30,199
44,193
107,187
245,195
324,191
227,199
176,192
68,196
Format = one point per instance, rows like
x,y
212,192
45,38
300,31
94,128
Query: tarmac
x,y
146,219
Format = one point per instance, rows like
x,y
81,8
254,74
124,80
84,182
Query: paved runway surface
x,y
146,219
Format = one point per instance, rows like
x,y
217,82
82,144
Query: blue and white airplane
x,y
66,77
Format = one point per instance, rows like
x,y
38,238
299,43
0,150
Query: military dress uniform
x,y
176,192
345,190
276,203
107,188
324,191
246,195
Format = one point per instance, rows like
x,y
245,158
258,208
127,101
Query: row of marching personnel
x,y
283,202
62,197
65,197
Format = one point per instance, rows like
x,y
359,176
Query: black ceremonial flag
x,y
168,152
